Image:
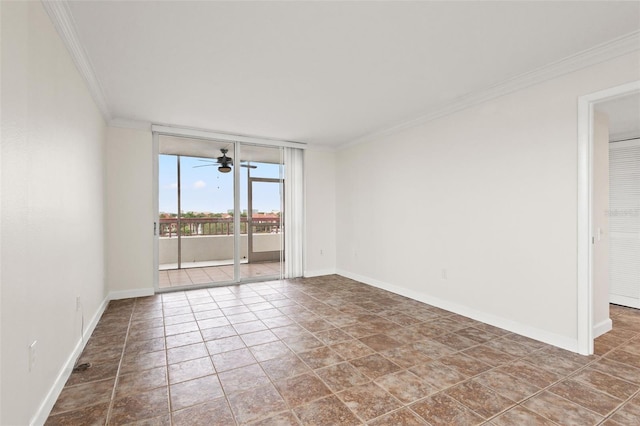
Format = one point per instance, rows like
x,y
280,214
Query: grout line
x,y
217,373
124,348
166,358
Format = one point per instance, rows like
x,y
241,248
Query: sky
x,y
205,189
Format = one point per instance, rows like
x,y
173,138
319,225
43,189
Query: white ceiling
x,y
323,72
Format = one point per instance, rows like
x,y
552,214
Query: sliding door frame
x,y
155,152
237,140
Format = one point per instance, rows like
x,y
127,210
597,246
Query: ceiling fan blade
x,y
206,165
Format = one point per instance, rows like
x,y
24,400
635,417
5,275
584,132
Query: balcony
x,y
217,225
206,249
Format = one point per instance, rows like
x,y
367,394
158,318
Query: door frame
x,y
586,105
252,257
155,152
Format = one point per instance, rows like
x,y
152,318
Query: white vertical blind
x,y
624,222
293,212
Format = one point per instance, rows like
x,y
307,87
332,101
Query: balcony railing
x,y
216,226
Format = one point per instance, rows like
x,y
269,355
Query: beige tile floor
x,y
215,274
332,351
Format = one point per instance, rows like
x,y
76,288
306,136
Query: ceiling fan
x,y
223,162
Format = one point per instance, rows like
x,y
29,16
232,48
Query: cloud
x,y
173,186
199,184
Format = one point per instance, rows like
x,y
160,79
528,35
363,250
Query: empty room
x,y
320,213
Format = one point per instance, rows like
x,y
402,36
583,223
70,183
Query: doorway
x,y
587,232
216,220
623,214
264,228
262,198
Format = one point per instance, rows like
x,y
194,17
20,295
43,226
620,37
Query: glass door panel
x,y
265,243
262,203
167,217
196,245
206,214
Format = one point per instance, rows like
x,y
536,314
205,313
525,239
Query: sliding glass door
x,y
262,184
209,231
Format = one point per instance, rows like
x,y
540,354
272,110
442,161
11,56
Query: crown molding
x,y
60,15
597,54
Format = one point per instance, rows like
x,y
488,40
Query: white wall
x,y
130,212
320,212
52,210
488,194
601,321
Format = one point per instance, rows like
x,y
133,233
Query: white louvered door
x,y
624,222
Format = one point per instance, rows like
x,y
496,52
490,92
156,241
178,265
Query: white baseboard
x,y
45,408
563,342
129,294
319,273
602,327
631,302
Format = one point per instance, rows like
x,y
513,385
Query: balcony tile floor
x,y
332,351
214,274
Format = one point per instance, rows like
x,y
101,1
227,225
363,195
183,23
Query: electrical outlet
x,y
444,274
321,252
78,304
32,355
